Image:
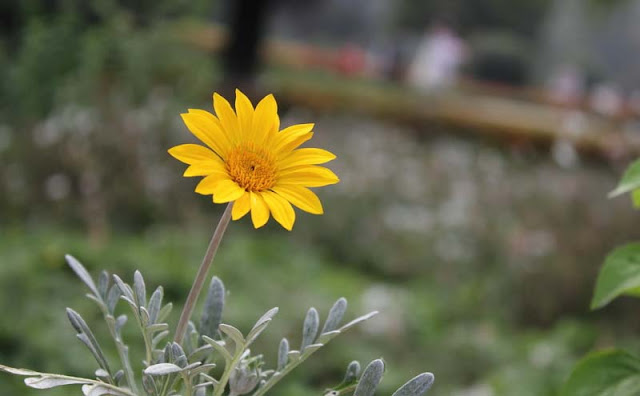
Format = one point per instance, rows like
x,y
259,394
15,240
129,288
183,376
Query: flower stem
x,y
202,274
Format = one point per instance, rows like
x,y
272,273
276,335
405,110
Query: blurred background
x,y
476,143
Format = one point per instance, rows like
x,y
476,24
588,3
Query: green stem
x,y
219,389
196,288
126,364
187,384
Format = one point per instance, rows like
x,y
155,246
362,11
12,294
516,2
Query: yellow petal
x,y
241,207
245,112
280,209
205,168
259,210
227,116
192,153
294,144
308,176
206,127
208,184
286,136
300,196
305,156
264,118
226,191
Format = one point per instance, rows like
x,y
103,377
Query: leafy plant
x,y
615,371
186,368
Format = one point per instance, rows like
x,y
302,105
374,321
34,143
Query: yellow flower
x,y
251,162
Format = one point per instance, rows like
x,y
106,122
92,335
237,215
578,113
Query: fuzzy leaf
x,y
155,302
162,369
358,320
353,371
417,386
103,284
140,289
113,297
124,288
213,308
266,317
370,379
256,331
164,312
283,354
310,328
234,334
82,274
86,336
46,382
219,348
335,315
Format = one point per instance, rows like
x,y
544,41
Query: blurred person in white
x,y
438,59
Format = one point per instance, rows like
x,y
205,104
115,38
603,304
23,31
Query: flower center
x,y
251,167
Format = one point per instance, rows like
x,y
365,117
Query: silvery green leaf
x,y
353,371
18,371
335,315
103,284
140,289
177,351
86,336
144,316
370,379
309,349
149,384
101,373
82,273
155,302
154,328
358,320
164,312
168,353
417,386
131,303
202,369
283,354
326,337
201,353
294,355
234,334
40,380
256,331
158,337
213,308
118,377
101,390
120,321
162,369
124,288
209,378
192,365
266,317
46,382
219,347
310,328
113,297
191,338
97,300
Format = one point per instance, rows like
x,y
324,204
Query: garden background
x,y
480,252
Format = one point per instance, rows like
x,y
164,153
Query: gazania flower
x,y
251,162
